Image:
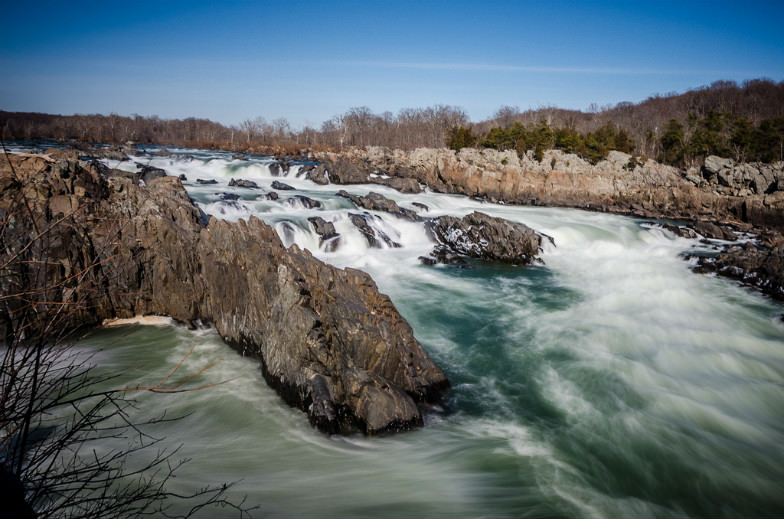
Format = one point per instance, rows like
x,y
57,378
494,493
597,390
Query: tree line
x,y
742,121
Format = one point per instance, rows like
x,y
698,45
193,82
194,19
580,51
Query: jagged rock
x,y
327,340
326,231
206,182
274,169
243,183
421,206
323,228
377,202
272,195
305,201
478,235
281,186
183,178
362,222
229,196
760,267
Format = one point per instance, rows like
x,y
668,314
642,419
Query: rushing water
x,y
610,381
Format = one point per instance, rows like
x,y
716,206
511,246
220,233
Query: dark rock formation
x,y
761,267
326,231
328,341
371,234
229,196
274,169
478,235
243,183
272,195
304,201
421,206
206,182
280,186
376,202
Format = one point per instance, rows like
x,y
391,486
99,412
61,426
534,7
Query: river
x,y
609,381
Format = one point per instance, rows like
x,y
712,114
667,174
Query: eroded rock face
x,y
478,235
752,195
328,340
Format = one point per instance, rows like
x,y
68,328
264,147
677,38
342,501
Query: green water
x,y
609,382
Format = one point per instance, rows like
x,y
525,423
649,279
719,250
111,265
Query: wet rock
x,y
274,169
229,196
243,183
421,206
304,201
272,195
326,231
281,186
759,267
376,202
239,156
478,235
371,234
183,178
206,182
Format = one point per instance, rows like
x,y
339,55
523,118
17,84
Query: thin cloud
x,y
485,67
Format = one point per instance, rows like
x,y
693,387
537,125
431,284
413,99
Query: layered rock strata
x,y
618,184
327,339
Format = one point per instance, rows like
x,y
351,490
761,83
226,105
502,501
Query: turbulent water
x,y
610,381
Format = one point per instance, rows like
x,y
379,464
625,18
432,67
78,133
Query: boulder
x,y
281,186
478,235
206,182
326,231
243,183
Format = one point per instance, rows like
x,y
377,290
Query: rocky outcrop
x,y
280,186
760,266
742,179
327,339
617,184
480,236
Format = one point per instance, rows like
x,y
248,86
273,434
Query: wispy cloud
x,y
489,67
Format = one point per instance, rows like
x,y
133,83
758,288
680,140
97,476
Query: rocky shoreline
x,y
329,342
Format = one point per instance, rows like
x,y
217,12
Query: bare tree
x,y
53,410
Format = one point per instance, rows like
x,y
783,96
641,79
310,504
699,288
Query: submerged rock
x,y
206,182
328,341
281,186
243,183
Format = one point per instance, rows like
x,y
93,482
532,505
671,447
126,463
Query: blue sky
x,y
307,60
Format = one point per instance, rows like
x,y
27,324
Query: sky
x,y
308,61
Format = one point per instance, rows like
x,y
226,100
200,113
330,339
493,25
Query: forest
x,y
740,121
